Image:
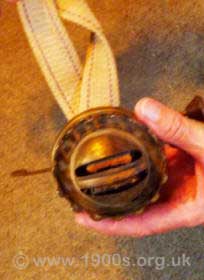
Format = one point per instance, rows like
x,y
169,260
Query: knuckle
x,y
175,129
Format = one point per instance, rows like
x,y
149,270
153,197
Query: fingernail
x,y
150,110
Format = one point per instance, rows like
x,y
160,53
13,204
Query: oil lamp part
x,y
109,164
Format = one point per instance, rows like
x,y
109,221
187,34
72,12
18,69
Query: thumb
x,y
172,127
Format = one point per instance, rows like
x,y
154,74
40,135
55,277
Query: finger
x,y
172,127
157,219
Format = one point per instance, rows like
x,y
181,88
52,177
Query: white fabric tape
x,y
75,88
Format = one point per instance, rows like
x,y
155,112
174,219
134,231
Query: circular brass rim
x,y
160,172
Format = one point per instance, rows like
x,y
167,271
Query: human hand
x,y
182,198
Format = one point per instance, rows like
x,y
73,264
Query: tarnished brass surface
x,y
107,163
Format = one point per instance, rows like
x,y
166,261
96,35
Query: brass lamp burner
x,y
107,163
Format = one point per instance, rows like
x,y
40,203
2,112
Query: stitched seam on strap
x,y
110,81
90,76
45,60
75,68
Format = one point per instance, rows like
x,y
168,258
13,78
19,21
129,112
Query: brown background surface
x,y
159,47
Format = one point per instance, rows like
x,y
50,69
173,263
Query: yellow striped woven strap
x,y
75,88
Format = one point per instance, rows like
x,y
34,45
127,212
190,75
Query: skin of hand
x,y
181,202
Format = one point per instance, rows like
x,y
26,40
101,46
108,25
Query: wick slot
x,y
106,163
